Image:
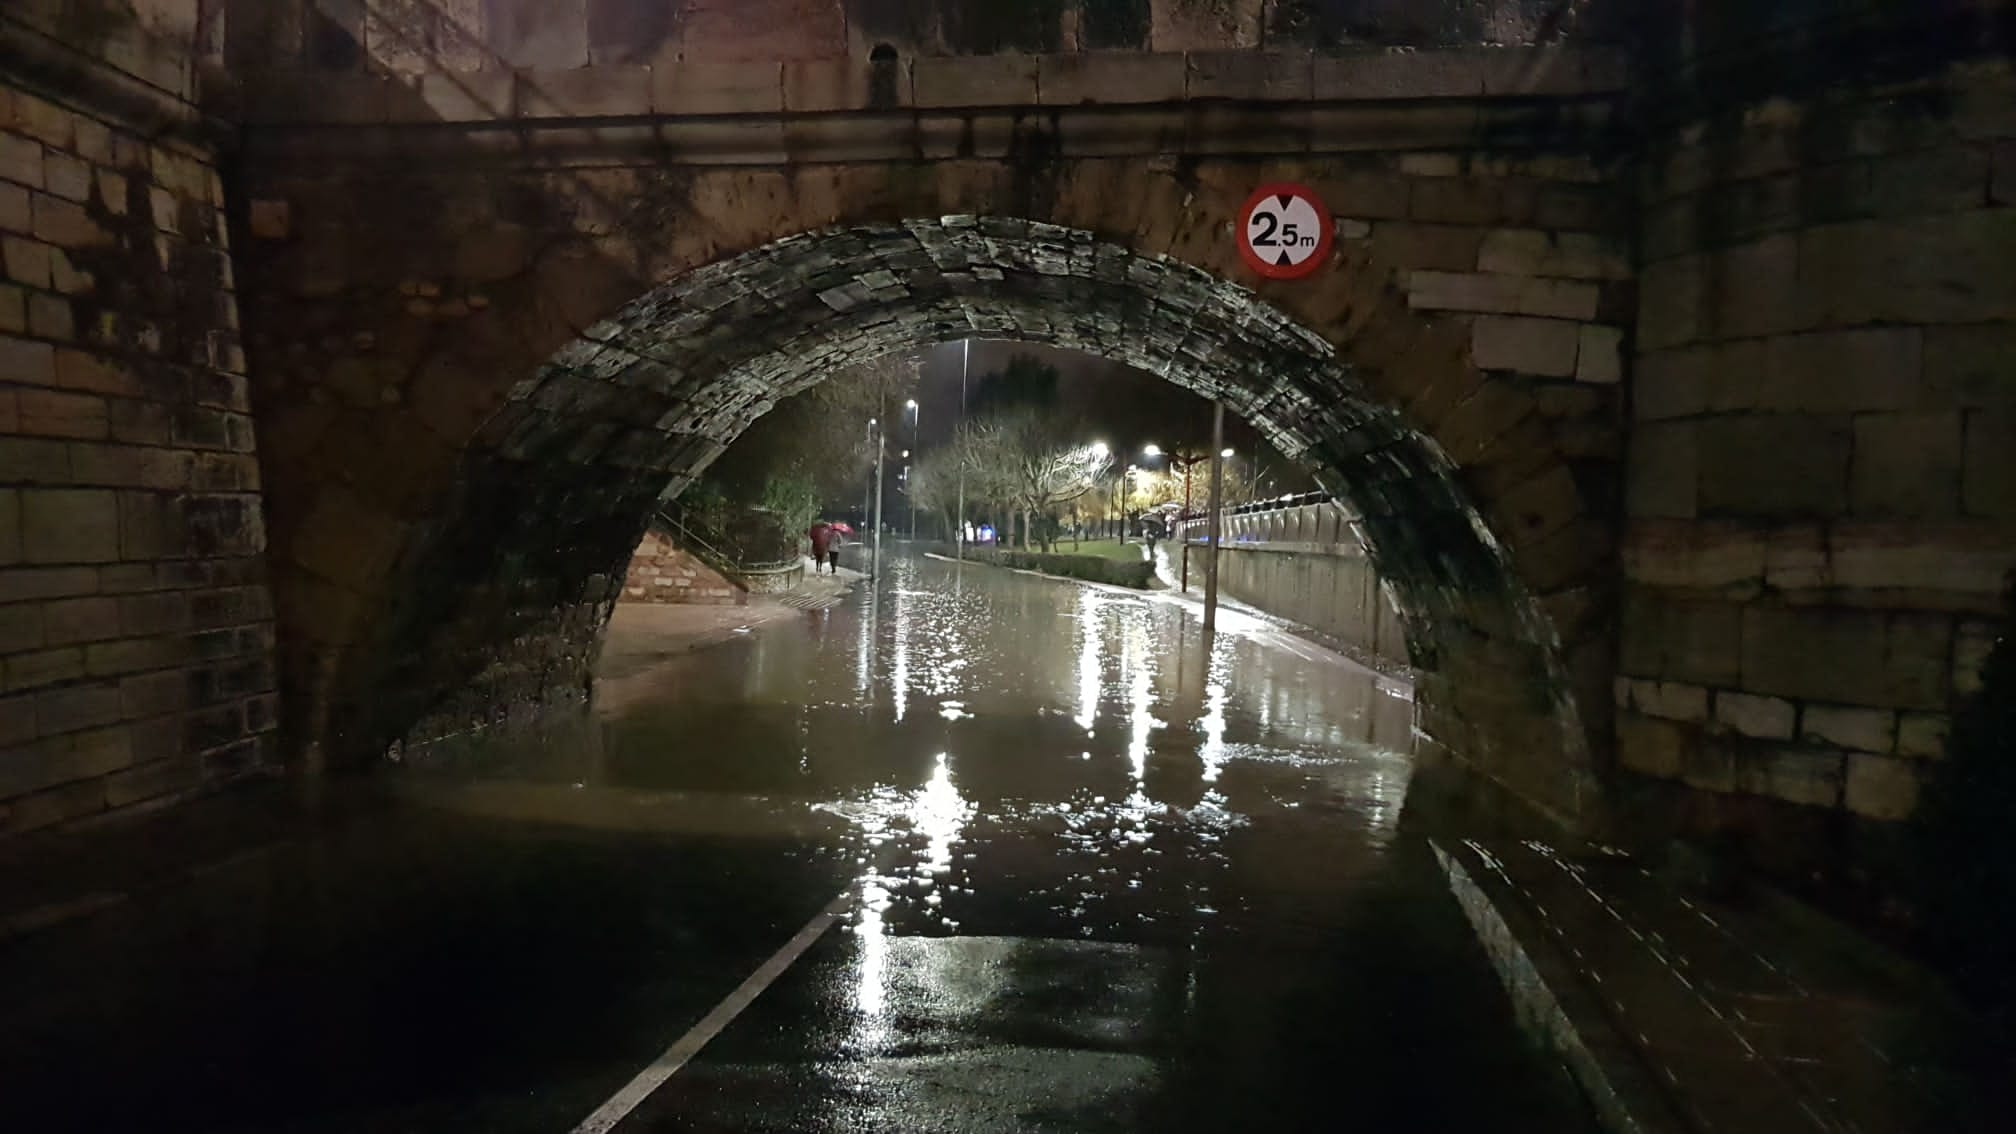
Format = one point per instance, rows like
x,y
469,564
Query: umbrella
x,y
843,529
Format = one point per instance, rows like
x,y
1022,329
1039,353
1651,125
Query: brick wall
x,y
136,634
663,572
1822,475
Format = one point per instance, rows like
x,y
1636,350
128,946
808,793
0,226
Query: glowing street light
x,y
1151,450
1099,449
1227,454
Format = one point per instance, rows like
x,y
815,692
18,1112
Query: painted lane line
x,y
680,1053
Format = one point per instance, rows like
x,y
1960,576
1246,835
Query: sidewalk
x,y
49,878
1677,1012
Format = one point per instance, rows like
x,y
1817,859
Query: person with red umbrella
x,y
823,538
826,540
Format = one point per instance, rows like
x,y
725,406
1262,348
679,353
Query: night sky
x,y
1122,406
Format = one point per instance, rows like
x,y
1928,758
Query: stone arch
x,y
502,597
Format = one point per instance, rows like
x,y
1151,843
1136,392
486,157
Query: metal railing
x,y
712,556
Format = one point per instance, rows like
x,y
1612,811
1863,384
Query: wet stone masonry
x,y
665,385
1822,488
136,633
965,174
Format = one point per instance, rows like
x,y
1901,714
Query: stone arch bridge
x,y
1666,366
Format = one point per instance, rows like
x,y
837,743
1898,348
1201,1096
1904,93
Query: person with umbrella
x,y
841,530
823,541
826,540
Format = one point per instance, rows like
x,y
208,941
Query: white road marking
x,y
680,1053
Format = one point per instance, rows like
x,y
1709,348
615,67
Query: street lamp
x,y
1184,464
868,489
1149,452
916,426
1126,487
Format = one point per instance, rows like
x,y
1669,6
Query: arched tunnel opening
x,y
502,601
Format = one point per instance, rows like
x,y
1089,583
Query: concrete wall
x,y
136,635
1822,484
1308,564
663,572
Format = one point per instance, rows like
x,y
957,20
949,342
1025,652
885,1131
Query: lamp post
x,y
965,365
1148,453
916,425
1217,505
868,490
1127,500
903,486
1185,463
1101,450
1120,507
881,461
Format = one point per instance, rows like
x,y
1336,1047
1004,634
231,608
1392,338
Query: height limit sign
x,y
1284,232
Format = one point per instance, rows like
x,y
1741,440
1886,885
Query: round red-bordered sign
x,y
1284,232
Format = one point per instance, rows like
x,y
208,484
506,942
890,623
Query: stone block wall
x,y
136,634
663,572
828,44
292,61
1822,468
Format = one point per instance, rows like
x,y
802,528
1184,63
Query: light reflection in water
x,y
900,680
1218,675
1279,721
1212,755
937,813
1088,660
1137,660
864,651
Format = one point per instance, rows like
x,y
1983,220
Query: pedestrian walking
x,y
823,541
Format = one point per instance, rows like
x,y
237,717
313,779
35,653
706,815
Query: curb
x,y
1555,1007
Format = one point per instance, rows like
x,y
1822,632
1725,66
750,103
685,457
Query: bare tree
x,y
1040,468
973,463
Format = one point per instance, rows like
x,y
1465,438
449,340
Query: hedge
x,y
1092,568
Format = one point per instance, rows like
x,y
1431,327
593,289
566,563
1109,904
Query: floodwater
x,y
1086,878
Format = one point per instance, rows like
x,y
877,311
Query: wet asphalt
x,y
1096,880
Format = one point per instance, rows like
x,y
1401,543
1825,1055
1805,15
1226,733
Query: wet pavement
x,y
1093,880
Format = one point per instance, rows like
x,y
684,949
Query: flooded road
x,y
1079,877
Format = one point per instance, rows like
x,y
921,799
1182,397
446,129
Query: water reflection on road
x,y
1100,879
1052,794
952,709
